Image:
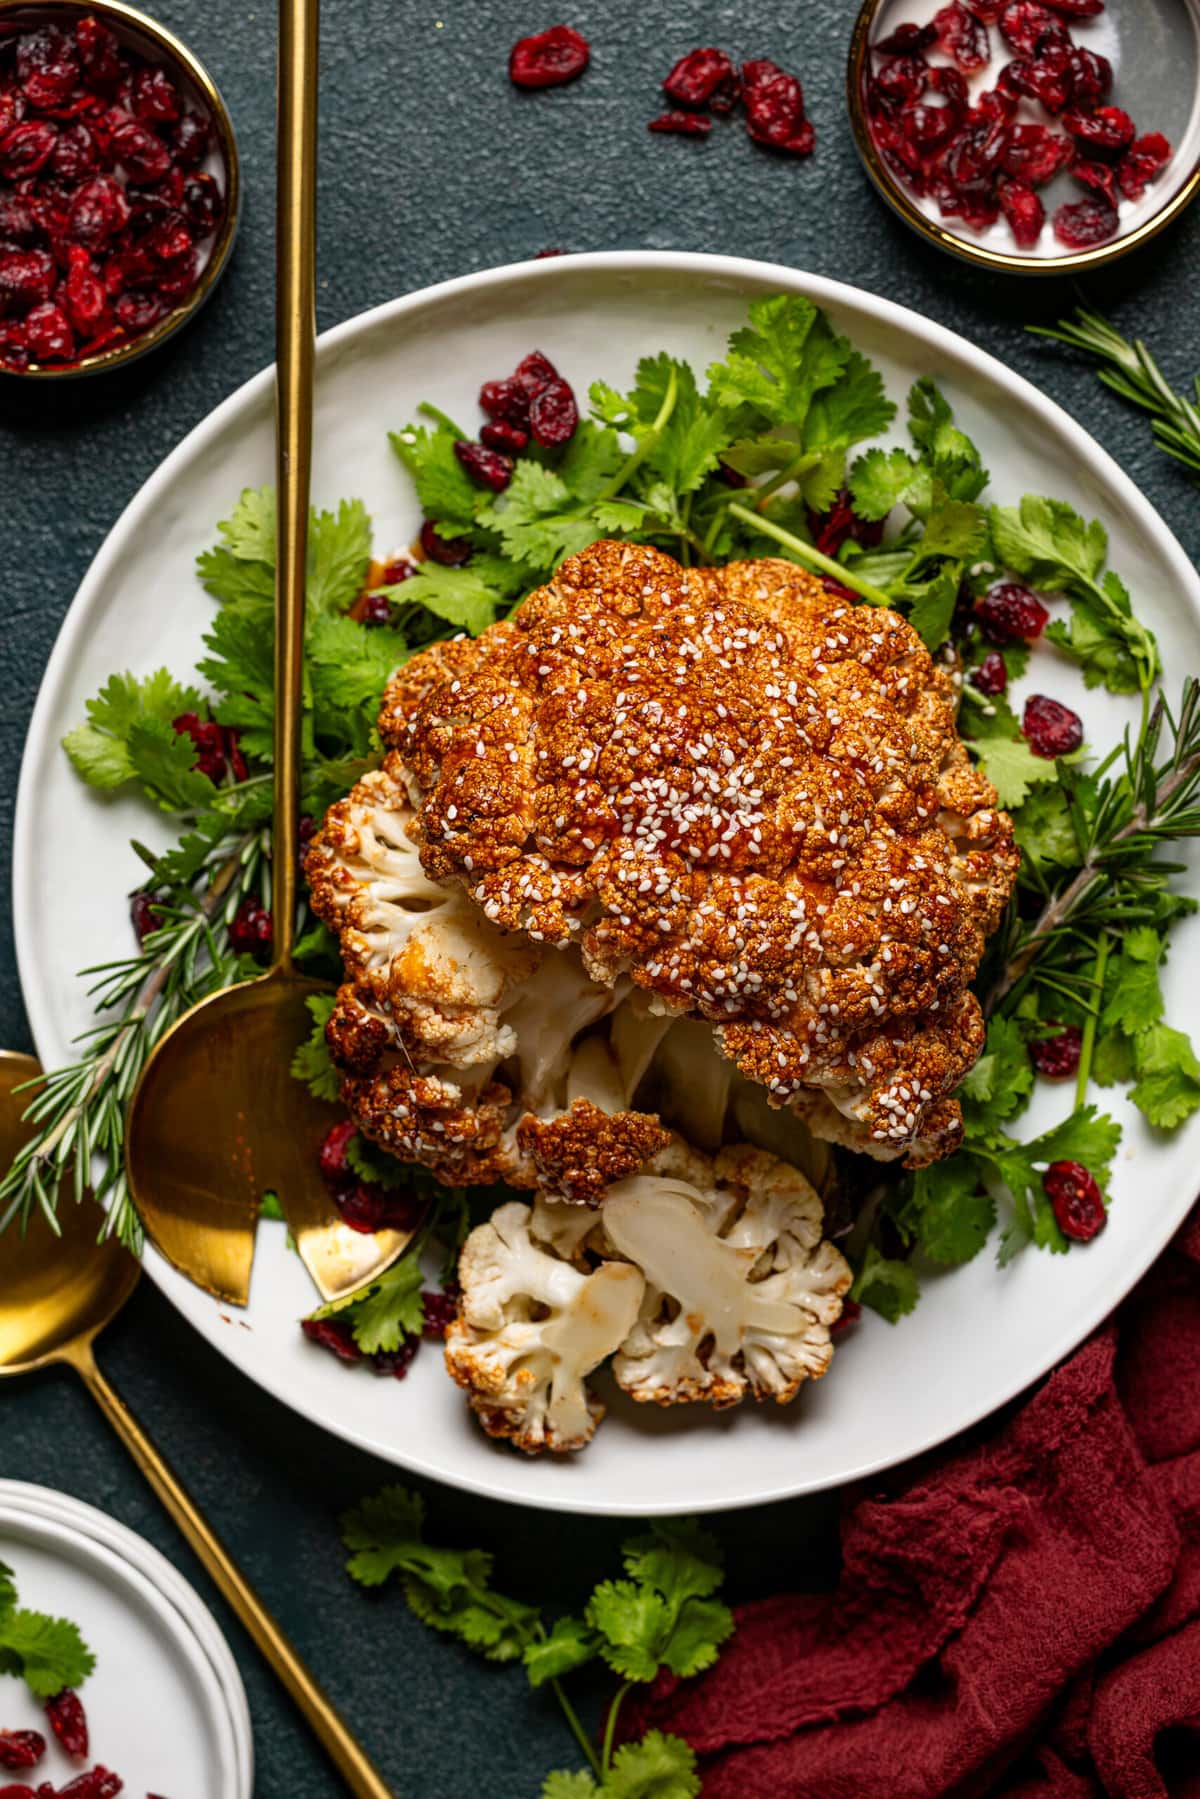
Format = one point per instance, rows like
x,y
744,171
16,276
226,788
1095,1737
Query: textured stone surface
x,y
432,166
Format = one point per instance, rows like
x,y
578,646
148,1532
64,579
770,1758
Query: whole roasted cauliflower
x,y
671,849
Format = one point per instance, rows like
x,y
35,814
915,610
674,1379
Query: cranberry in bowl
x,y
119,186
1030,136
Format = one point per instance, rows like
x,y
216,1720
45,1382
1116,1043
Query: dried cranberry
x,y
332,1153
18,1790
137,310
1008,612
451,552
488,468
47,65
74,153
144,914
178,278
155,97
366,1206
376,611
703,78
507,400
1108,128
907,40
830,529
962,36
899,149
99,210
333,1334
1051,76
991,677
1024,23
396,1362
68,1721
21,1748
84,296
1035,154
1050,728
1001,108
553,415
1145,158
191,138
1058,1057
203,203
98,52
976,152
548,58
850,1314
207,736
927,129
900,82
251,929
18,225
49,334
1077,1200
775,115
1101,177
1076,9
498,434
1082,224
1091,75
27,148
397,570
142,155
681,124
534,372
439,1312
168,240
1024,211
97,1783
26,277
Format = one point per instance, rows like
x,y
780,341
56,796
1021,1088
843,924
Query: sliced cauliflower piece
x,y
530,1329
740,1288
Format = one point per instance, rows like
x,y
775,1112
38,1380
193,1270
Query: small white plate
x,y
981,1333
74,1513
157,1713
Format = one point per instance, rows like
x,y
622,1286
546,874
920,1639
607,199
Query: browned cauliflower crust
x,y
742,796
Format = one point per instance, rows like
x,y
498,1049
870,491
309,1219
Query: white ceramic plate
x,y
45,1502
156,1711
981,1334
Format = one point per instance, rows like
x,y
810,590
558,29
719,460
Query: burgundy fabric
x,y
1017,1618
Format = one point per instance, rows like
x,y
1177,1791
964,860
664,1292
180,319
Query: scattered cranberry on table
x,y
548,58
973,155
106,216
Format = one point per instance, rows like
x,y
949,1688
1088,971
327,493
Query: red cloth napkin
x,y
1019,1617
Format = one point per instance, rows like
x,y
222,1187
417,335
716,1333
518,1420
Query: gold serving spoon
x,y
56,1295
216,1119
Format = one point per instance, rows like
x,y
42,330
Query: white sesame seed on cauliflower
x,y
530,1329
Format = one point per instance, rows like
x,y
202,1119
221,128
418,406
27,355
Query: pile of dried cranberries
x,y
706,81
974,155
106,213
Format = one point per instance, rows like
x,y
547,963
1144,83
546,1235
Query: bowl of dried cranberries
x,y
119,186
1034,136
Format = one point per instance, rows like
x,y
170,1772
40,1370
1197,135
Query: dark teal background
x,y
432,165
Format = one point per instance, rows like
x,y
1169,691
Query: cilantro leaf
x,y
458,596
854,408
1132,993
686,447
1043,829
1090,640
930,603
680,1558
49,1652
1168,1085
879,480
569,1645
659,1767
631,1620
1013,769
564,1785
128,736
8,1590
1086,1136
538,520
777,362
1000,1083
888,1286
444,488
339,551
391,1309
931,424
312,1062
949,1214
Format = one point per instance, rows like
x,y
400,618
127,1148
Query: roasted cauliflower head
x,y
662,810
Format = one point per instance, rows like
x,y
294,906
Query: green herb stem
x,y
645,445
811,557
580,1734
429,411
1088,1045
610,1728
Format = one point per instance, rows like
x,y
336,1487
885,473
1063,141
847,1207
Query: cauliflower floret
x,y
530,1329
740,1288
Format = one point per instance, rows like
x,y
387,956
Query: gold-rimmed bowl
x,y
1154,47
152,41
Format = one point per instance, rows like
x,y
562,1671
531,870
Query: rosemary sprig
x,y
1137,802
1131,371
80,1109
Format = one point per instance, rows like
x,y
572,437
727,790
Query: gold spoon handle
x,y
347,1757
295,355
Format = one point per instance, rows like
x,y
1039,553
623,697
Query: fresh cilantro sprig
x,y
48,1653
662,1613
